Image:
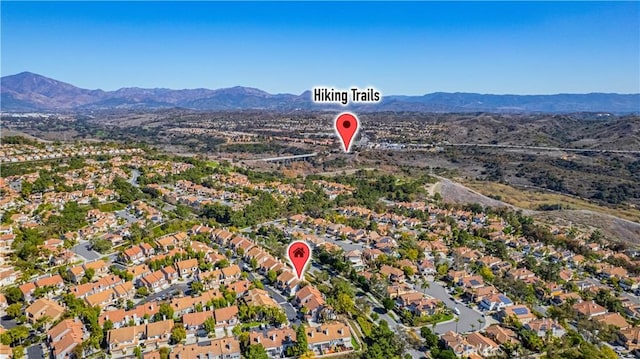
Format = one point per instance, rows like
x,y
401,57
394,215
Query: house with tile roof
x,y
223,348
483,345
65,336
275,341
44,308
329,338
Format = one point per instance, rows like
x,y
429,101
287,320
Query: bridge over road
x,y
288,159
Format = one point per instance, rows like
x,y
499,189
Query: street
x,y
83,250
470,320
289,310
34,351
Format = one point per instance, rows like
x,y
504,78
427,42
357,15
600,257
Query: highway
x,y
521,147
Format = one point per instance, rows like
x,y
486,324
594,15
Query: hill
x,y
27,91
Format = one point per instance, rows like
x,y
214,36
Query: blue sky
x,y
400,48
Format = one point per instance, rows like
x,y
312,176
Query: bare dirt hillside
x,y
612,227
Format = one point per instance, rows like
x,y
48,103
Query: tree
x,y
430,339
164,352
14,310
271,277
78,351
13,295
100,245
18,352
301,345
388,303
196,287
89,273
256,351
443,354
137,352
164,312
142,292
210,325
178,334
382,343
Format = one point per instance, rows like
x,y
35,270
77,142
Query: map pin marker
x,y
346,127
299,254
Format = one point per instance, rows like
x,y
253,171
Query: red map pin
x,y
299,254
346,127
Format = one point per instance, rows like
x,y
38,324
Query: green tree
x,y
89,273
388,303
137,352
271,277
14,310
301,345
256,351
210,325
164,312
382,343
18,352
164,352
13,295
430,339
196,287
178,334
142,292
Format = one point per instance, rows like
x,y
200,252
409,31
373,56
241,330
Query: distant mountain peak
x,y
28,91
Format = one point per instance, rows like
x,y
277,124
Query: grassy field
x,y
532,199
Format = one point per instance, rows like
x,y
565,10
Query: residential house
x,y
544,325
120,340
65,336
275,341
502,335
522,313
614,319
329,338
483,345
223,348
44,308
589,309
157,334
355,258
457,343
194,322
186,268
226,317
260,297
630,338
154,281
310,301
495,302
392,273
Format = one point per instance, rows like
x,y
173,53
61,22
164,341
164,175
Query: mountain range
x,y
26,92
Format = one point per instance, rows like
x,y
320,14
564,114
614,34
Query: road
x,y
83,250
535,148
470,320
183,287
134,177
289,310
8,323
34,351
126,215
